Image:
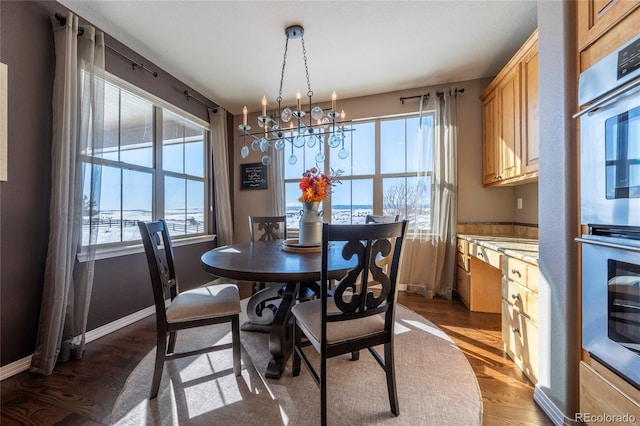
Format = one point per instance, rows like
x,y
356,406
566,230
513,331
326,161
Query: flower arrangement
x,y
316,185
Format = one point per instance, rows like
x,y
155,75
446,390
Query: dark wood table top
x,y
266,261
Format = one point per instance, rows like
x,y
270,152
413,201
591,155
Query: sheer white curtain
x,y
224,221
276,183
428,257
78,115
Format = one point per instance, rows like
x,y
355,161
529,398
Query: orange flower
x,y
316,186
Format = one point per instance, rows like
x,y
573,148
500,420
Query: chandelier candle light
x,y
327,128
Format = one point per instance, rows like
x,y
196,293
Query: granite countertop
x,y
520,248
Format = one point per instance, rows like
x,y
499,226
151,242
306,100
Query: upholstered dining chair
x,y
205,305
353,318
373,218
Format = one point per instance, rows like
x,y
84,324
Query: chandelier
x,y
289,125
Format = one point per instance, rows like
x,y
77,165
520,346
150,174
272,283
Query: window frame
x,y
377,176
120,248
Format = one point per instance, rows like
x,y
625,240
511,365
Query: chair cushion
x,y
204,302
309,318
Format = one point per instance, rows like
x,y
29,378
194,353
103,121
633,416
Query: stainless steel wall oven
x,y
610,207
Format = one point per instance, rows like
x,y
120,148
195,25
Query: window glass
x,y
392,146
175,211
136,130
352,201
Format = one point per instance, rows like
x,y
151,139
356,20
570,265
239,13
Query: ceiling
x,y
232,51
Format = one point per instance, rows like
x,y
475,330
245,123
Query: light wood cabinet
x,y
530,113
520,314
595,17
602,393
477,277
510,120
520,338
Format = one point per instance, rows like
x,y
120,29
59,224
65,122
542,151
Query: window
x,y
388,171
144,170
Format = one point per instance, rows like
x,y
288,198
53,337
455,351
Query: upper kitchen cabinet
x,y
595,17
602,26
510,120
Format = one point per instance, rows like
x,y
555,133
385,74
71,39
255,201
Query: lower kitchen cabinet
x,y
520,338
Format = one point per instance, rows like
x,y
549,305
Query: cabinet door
x,y
595,17
509,117
530,112
490,140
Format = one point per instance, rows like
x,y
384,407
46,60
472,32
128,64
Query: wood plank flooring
x,y
83,392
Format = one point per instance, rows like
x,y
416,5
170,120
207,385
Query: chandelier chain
x,y
284,64
306,67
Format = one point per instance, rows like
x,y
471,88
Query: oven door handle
x,y
614,94
607,244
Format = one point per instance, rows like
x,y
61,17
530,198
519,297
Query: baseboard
x,y
99,332
551,410
15,367
23,364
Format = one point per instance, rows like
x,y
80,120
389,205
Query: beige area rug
x,y
436,385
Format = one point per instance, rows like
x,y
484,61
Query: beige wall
x,y
529,212
475,203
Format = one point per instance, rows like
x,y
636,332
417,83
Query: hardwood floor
x,y
83,392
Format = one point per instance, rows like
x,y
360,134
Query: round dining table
x,y
297,272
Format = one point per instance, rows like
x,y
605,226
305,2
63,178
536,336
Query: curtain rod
x,y
201,102
134,64
438,94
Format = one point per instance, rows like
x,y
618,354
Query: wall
x,y
121,284
529,212
557,387
475,203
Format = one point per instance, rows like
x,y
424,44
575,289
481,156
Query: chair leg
x,y
389,368
172,342
235,343
323,389
159,365
297,339
355,355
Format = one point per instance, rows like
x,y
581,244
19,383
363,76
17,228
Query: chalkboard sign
x,y
253,176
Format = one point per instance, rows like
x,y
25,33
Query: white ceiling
x,y
231,51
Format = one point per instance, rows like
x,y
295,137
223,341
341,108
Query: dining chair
x,y
374,218
352,318
383,262
266,228
205,305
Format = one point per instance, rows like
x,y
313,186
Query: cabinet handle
x,y
515,330
516,272
480,255
515,296
497,177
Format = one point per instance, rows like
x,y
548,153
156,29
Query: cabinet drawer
x,y
520,338
520,298
462,246
521,272
487,255
463,286
463,261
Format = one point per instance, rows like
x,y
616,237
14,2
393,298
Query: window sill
x,y
109,252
